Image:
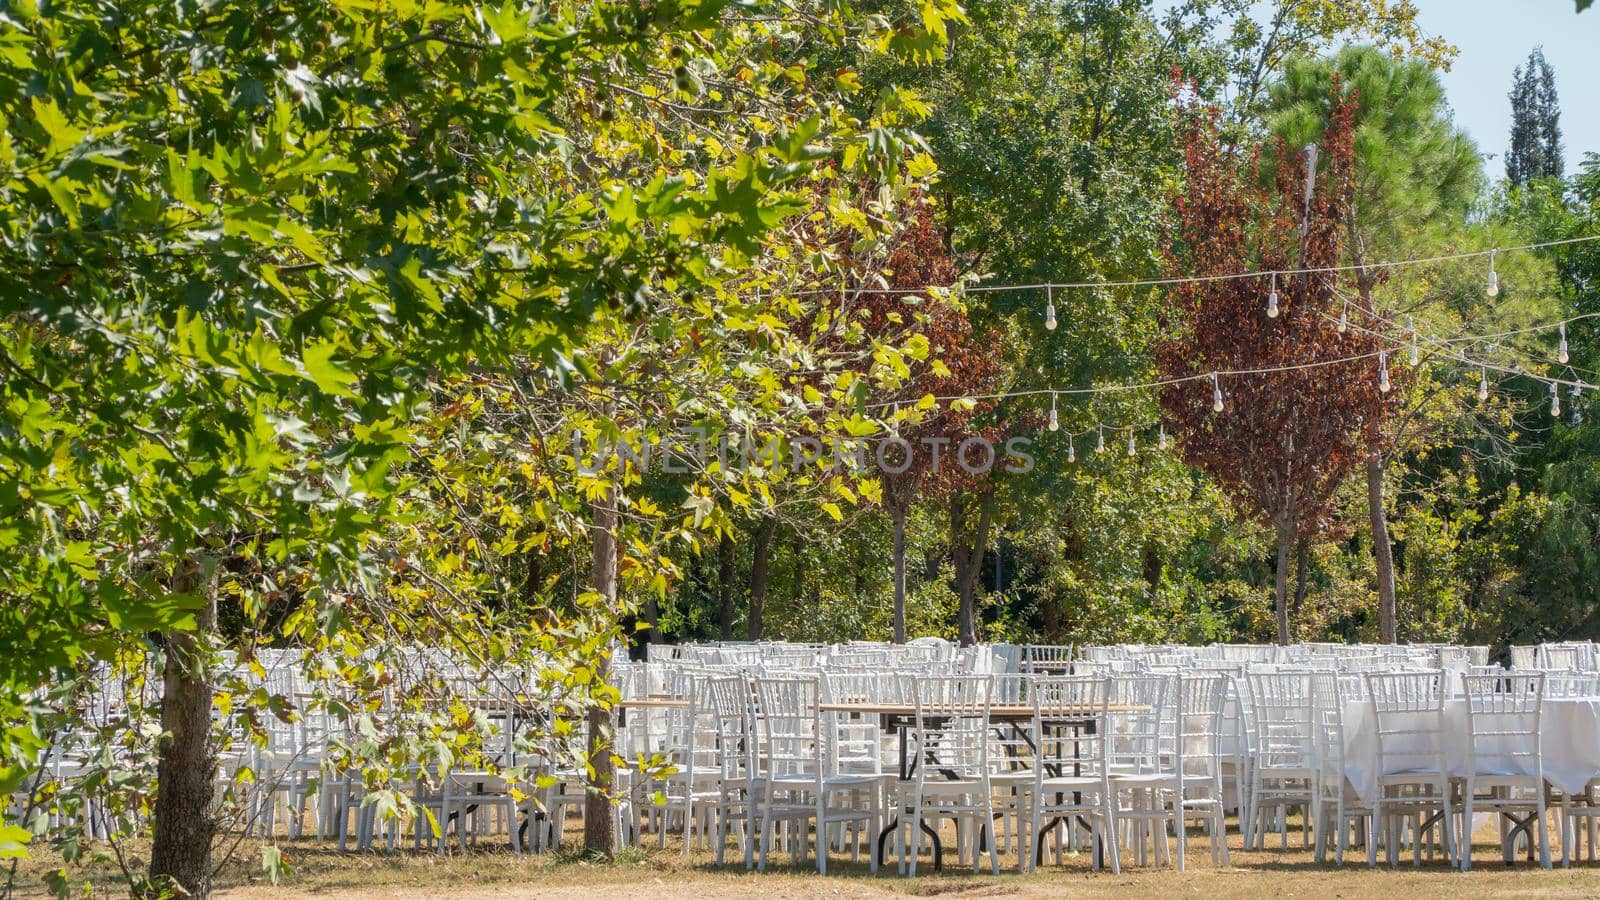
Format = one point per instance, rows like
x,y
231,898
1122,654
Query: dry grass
x,y
319,870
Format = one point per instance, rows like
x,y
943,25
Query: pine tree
x,y
1535,122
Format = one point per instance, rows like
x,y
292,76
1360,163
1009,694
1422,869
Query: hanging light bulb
x,y
1344,317
1493,290
1100,439
1577,412
1412,326
1072,451
1055,423
1383,372
1161,439
1049,309
1216,394
1561,349
1483,384
1272,298
1555,401
1131,449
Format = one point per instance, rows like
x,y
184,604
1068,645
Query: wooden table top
x,y
655,703
908,710
996,710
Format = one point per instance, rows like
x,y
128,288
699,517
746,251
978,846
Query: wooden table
x,y
648,703
898,717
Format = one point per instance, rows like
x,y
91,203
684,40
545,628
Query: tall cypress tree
x,y
1535,122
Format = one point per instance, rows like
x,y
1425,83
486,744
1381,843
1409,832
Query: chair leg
x,y
916,834
1449,825
1544,833
822,832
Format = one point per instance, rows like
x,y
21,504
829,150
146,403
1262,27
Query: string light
x,y
1555,401
1049,309
1072,450
1055,423
1161,440
1411,325
1577,411
1344,317
1272,298
1493,290
1131,449
1099,285
1483,384
1383,372
1100,439
1561,349
1451,346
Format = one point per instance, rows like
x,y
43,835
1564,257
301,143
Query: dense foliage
x,y
364,328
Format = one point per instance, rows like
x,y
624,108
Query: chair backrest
x,y
952,730
794,740
1285,719
1329,694
728,704
1140,710
1059,699
1567,657
1198,725
1046,659
1409,710
1524,657
1568,684
1503,713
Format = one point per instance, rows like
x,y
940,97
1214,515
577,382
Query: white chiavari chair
x,y
1503,755
1285,766
1412,779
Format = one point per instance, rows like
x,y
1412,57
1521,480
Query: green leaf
x,y
328,375
62,133
13,842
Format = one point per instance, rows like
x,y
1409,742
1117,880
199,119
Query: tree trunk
x,y
1382,551
599,833
725,585
1302,565
967,547
758,577
1285,557
186,770
898,514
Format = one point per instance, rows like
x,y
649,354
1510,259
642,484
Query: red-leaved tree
x,y
1291,432
922,457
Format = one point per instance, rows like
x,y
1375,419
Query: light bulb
x,y
1272,298
1412,325
1383,372
1483,385
1216,394
1072,451
1493,289
1555,400
1055,423
1561,349
1100,440
1161,439
1049,310
1131,448
1344,317
1577,412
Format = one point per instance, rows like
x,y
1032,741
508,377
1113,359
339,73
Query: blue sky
x,y
1494,37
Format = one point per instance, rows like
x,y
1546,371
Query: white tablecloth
x,y
1569,735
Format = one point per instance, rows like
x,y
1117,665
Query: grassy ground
x,y
319,870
